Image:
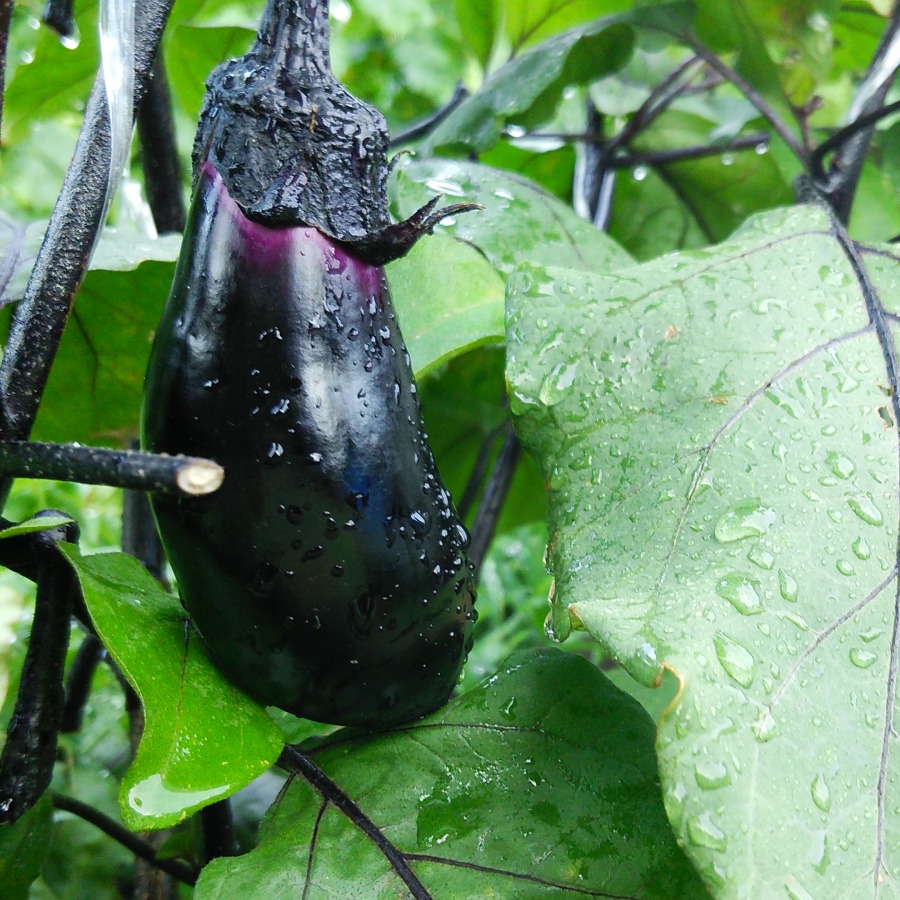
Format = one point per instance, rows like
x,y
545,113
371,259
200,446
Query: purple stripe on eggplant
x,y
328,575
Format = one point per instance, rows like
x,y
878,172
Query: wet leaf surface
x,y
204,739
540,782
718,430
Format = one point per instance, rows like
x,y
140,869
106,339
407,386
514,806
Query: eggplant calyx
x,y
293,146
397,239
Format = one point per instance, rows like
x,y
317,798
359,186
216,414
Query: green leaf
x,y
192,52
519,219
478,23
204,738
718,431
23,846
57,81
449,299
527,88
540,782
528,21
37,523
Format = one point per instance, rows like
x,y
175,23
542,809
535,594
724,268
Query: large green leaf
x,y
519,220
23,846
526,90
451,299
718,430
540,782
204,739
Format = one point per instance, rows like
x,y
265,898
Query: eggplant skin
x,y
328,575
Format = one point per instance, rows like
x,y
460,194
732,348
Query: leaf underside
x,y
718,430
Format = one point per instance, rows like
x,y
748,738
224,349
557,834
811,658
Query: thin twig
x,y
494,496
78,683
139,535
26,765
292,760
656,158
118,468
750,93
62,261
159,153
179,870
425,126
839,187
479,470
217,825
817,158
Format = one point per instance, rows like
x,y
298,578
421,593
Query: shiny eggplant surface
x,y
328,575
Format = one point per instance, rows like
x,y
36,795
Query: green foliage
x,y
539,779
714,430
178,768
728,404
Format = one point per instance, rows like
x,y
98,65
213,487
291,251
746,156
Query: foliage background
x,y
806,60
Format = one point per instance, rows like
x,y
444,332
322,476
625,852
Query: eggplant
x,y
328,575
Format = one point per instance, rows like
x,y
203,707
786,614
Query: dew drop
x,y
787,584
864,507
862,658
703,832
820,794
711,774
747,519
840,465
735,659
742,592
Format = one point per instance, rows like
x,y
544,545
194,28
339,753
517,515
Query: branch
x,y
494,497
58,15
765,110
425,126
26,766
839,185
159,153
292,760
139,535
217,825
479,470
657,158
118,468
63,259
78,685
179,870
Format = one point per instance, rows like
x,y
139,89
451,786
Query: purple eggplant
x,y
328,575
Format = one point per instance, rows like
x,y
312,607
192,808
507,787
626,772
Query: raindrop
x,y
640,173
765,727
845,567
742,592
864,507
820,793
294,514
557,384
861,548
703,832
711,774
840,465
861,658
787,584
735,659
747,519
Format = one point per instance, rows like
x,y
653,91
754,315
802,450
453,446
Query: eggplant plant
x,y
328,575
657,357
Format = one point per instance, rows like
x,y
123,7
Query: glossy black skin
x,y
328,575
